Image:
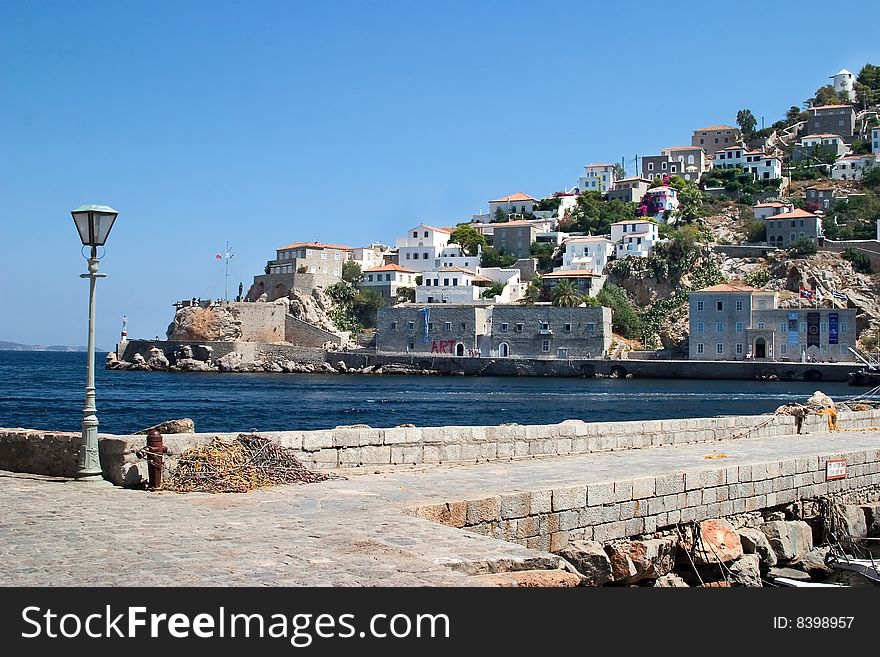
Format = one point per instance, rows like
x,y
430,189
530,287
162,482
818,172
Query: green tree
x,y
550,204
825,95
543,251
690,201
867,86
860,262
758,278
499,217
756,230
565,295
618,172
794,115
624,319
594,215
493,257
351,272
803,246
746,122
533,291
493,291
406,295
871,178
364,306
469,238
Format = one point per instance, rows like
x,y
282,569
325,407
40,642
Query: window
x,y
504,326
844,327
739,305
783,327
823,349
369,277
699,327
454,281
407,255
545,326
393,326
545,345
700,345
337,272
760,325
782,348
336,256
823,327
415,256
415,233
426,233
719,305
699,305
568,328
591,327
447,326
519,328
719,348
323,255
803,327
719,327
650,166
387,277
410,325
445,282
739,327
430,326
739,348
464,326
425,256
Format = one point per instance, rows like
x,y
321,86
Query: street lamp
x,y
93,222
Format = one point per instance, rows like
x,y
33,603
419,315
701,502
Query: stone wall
x,y
250,351
549,519
56,453
307,335
870,248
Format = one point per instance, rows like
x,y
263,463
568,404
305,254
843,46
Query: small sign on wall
x,y
835,469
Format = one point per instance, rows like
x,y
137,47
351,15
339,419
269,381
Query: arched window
x,y
503,350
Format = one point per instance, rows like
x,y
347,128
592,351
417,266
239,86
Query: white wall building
x,y
824,139
419,248
764,210
852,167
635,237
692,160
452,255
518,203
589,253
844,84
387,279
451,285
875,141
370,256
597,178
762,166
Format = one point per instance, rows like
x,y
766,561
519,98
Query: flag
x,y
840,296
806,294
218,256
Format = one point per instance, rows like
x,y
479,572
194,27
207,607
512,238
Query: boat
x,y
866,567
869,375
797,583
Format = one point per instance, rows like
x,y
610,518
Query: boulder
x,y
327,367
746,571
272,367
184,352
342,367
754,541
191,365
590,560
138,363
531,579
790,539
670,581
819,401
157,359
790,573
183,425
852,520
633,561
718,542
814,562
231,362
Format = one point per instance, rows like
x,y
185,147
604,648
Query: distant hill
x,y
16,346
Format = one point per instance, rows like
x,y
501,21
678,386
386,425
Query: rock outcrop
x,y
197,324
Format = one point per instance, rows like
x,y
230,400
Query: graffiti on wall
x,y
443,347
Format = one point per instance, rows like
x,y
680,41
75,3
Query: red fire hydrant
x,y
155,451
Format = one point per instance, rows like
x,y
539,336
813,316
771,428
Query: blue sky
x,y
264,123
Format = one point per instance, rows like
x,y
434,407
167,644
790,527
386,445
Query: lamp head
x,y
93,222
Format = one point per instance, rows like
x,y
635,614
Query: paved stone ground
x,y
337,533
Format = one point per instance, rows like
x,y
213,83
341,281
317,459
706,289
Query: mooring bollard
x,y
155,451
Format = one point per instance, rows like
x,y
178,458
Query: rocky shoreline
x,y
748,550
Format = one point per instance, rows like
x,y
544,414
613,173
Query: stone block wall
x,y
304,334
551,518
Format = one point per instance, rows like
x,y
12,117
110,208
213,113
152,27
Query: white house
x,y
514,287
729,158
387,279
597,178
824,139
370,256
452,255
518,203
451,285
844,84
635,237
660,200
852,167
589,253
421,246
764,210
763,166
875,141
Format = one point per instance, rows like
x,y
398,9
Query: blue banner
x,y
427,313
793,340
832,328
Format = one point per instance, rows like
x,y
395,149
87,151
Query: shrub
x,y
758,278
860,262
804,246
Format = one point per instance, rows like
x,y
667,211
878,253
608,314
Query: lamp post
x,y
93,222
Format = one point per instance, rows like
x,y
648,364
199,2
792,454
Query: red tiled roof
x,y
822,135
794,214
519,196
601,164
390,267
314,245
518,222
683,148
709,128
729,287
774,204
829,107
439,230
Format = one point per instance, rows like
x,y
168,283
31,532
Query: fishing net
x,y
249,462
